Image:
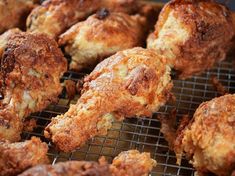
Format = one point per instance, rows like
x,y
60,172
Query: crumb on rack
x,y
70,87
30,124
218,86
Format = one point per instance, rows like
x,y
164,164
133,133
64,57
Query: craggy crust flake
x,y
30,70
193,35
133,82
209,139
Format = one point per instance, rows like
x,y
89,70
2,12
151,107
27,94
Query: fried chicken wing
x,y
30,70
193,35
129,163
133,82
17,157
209,140
100,36
53,17
13,13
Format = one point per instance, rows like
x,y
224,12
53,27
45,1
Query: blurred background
x,y
230,3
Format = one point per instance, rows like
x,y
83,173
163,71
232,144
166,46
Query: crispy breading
x,y
70,168
129,163
100,36
53,17
209,139
4,38
13,13
133,82
30,71
193,35
17,157
132,163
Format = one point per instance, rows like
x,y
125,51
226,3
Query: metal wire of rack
x,y
142,134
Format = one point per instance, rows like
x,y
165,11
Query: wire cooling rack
x,y
142,134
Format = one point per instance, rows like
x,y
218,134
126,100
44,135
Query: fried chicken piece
x,y
133,82
30,70
100,36
13,13
70,168
17,157
130,163
53,17
193,35
209,140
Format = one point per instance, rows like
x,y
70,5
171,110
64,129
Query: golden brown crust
x,y
209,139
55,16
70,168
100,36
64,13
17,157
190,35
132,163
133,82
129,163
31,67
13,13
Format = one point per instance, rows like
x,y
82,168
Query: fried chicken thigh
x,y
129,163
100,36
13,13
17,157
53,17
30,70
193,35
209,140
133,82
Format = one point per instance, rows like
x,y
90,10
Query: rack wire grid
x,y
141,134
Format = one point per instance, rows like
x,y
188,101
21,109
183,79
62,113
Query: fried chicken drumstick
x,y
30,69
17,157
100,36
133,82
13,13
53,17
209,140
193,35
129,163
